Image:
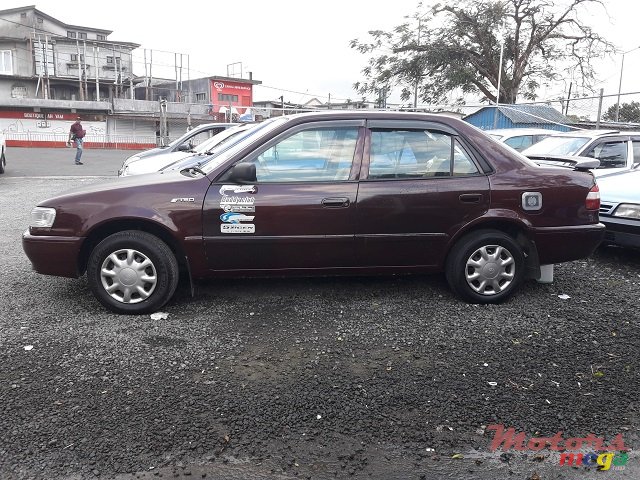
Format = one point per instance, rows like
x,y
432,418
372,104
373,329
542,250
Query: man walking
x,y
76,134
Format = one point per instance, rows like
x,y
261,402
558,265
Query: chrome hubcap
x,y
128,276
490,269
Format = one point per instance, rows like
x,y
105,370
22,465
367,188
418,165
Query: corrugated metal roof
x,y
532,114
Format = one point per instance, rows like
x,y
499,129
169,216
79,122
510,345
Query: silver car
x,y
184,143
620,208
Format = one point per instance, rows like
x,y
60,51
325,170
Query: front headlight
x,y
627,210
42,217
124,171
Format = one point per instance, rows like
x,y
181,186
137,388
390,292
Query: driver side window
x,y
313,155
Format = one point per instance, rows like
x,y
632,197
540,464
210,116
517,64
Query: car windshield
x,y
557,146
222,154
219,139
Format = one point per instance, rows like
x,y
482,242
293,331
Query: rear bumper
x,y
564,244
622,231
53,255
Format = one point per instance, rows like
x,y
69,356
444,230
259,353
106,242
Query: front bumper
x,y
53,255
622,231
564,244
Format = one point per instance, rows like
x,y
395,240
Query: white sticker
x,y
237,201
238,189
237,228
238,208
233,217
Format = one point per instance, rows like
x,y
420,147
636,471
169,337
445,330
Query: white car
x,y
3,153
520,138
154,163
184,143
617,151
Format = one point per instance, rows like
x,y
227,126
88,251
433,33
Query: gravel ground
x,y
316,378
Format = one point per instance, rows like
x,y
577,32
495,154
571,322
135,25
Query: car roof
x,y
520,131
594,133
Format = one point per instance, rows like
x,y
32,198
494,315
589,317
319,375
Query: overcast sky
x,y
298,49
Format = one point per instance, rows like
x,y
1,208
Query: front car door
x,y
419,185
300,213
615,154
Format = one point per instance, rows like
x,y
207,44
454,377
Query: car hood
x,y
622,187
170,182
153,163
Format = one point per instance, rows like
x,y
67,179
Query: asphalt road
x,y
385,378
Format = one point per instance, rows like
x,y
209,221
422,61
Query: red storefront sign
x,y
236,94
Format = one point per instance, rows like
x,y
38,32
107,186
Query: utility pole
x,y
415,90
495,112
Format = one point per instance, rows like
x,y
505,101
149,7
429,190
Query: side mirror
x,y
184,147
243,173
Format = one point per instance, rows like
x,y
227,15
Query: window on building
x,y
71,34
82,35
201,97
117,59
6,64
225,97
101,37
109,59
39,20
74,57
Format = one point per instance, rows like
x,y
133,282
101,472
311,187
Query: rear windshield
x,y
557,146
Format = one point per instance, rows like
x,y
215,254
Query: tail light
x,y
592,202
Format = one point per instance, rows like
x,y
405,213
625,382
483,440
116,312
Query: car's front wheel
x,y
485,266
132,272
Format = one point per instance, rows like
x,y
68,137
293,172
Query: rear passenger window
x,y
398,154
636,151
520,143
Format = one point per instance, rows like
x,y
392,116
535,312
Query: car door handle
x,y
335,202
470,198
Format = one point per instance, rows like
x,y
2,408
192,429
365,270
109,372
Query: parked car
x,y
216,146
520,138
155,163
184,143
3,153
617,151
325,193
620,208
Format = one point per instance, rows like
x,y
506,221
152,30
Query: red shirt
x,y
77,130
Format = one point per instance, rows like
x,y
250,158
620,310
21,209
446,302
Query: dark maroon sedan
x,y
325,194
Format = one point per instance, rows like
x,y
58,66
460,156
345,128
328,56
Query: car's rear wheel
x,y
485,266
3,162
132,272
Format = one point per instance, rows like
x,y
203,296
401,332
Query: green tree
x,y
455,46
629,112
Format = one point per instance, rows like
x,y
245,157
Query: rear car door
x,y
419,185
300,214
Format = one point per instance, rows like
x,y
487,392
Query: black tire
x,y
471,261
143,283
3,163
